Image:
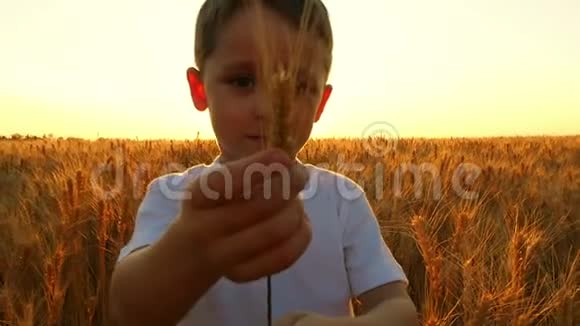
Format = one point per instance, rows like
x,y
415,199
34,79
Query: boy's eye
x,y
243,82
304,87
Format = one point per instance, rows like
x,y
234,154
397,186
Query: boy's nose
x,y
260,113
261,106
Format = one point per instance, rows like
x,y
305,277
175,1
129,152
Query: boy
x,y
205,240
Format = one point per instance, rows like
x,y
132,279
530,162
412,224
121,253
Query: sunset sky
x,y
442,68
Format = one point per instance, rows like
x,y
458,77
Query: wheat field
x,y
486,229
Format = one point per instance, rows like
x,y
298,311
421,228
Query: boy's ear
x,y
325,96
197,89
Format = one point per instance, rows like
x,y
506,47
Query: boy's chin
x,y
254,149
247,148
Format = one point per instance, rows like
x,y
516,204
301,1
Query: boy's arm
x,y
158,284
376,279
387,304
192,241
157,277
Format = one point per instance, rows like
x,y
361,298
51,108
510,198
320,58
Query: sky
x,y
447,68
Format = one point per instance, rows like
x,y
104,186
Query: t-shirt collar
x,y
218,161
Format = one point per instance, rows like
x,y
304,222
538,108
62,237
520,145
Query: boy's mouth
x,y
256,138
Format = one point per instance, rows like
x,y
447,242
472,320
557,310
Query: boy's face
x,y
233,90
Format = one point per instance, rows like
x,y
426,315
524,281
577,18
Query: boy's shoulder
x,y
331,192
324,174
178,180
323,181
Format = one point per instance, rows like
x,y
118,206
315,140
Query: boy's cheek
x,y
304,117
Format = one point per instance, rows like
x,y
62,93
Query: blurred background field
x,y
488,234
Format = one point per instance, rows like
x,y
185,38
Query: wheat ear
x,y
280,86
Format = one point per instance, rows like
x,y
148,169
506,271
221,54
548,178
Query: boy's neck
x,y
220,160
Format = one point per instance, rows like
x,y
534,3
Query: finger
x,y
228,182
285,185
228,220
276,260
254,240
273,181
265,201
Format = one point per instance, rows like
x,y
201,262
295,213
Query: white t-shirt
x,y
347,255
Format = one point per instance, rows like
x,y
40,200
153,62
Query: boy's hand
x,y
393,312
311,319
247,239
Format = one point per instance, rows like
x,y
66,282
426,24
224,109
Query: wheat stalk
x,y
482,310
280,81
279,135
432,256
280,88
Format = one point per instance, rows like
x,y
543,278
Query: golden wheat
x,y
508,257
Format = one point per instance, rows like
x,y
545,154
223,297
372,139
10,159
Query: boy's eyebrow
x,y
249,66
239,66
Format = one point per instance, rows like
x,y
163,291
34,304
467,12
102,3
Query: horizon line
x,y
137,138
